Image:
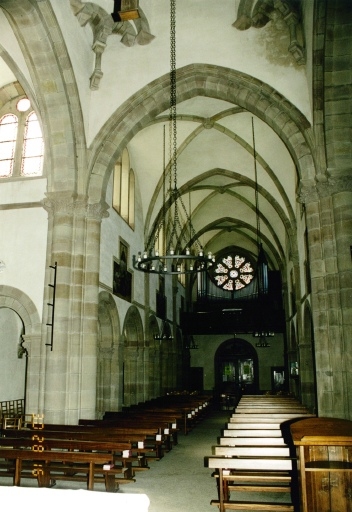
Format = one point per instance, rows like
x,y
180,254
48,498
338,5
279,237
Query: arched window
x,y
8,138
124,189
33,147
21,142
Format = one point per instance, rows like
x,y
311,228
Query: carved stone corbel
x,y
103,25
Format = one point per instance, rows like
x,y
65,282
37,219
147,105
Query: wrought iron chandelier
x,y
172,248
262,267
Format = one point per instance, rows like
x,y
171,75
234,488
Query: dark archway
x,y
236,369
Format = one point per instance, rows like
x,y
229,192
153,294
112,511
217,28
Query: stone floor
x,y
180,481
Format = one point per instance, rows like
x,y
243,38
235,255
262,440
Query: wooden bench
x,y
136,442
251,441
252,451
249,482
263,418
119,473
189,409
164,425
250,469
265,433
50,465
152,438
264,424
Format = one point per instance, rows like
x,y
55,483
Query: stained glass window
x,y
233,272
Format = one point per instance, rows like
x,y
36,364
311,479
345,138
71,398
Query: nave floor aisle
x,y
179,482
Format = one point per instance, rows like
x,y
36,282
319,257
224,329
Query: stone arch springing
x,y
109,365
133,360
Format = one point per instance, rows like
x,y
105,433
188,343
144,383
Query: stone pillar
x,y
104,381
141,375
71,366
329,222
130,375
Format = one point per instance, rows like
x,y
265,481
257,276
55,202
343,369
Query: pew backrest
x,y
252,451
251,463
251,441
252,433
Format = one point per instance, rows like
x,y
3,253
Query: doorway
x,y
236,370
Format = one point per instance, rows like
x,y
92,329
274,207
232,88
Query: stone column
x,y
130,375
71,366
329,222
104,381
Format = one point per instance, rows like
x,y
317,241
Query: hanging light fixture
x,y
165,335
172,248
262,343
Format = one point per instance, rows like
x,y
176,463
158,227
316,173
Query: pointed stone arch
x,y
201,80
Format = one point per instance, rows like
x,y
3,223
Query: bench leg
x,y
17,475
110,483
43,476
91,476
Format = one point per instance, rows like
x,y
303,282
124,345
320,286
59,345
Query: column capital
x,y
74,204
334,184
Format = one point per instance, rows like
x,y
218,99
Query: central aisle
x,y
179,481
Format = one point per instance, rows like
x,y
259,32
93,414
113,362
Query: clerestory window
x,y
124,189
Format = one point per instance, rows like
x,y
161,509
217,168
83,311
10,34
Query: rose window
x,y
233,273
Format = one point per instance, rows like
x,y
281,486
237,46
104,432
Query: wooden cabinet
x,y
324,453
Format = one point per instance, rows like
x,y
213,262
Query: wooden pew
x,y
252,451
152,438
264,424
249,482
137,442
272,417
163,424
250,467
264,433
192,408
251,441
68,464
111,451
